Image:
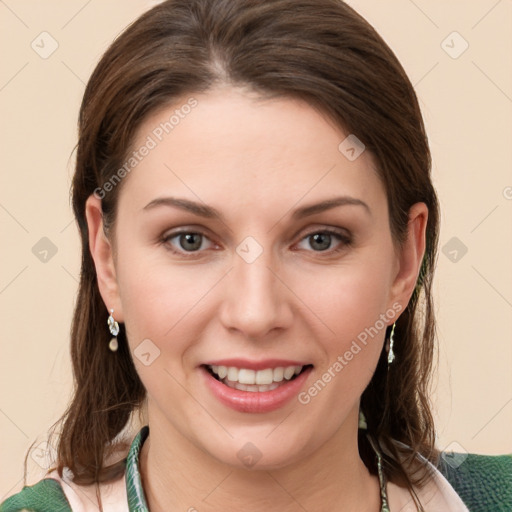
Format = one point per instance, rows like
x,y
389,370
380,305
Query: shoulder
x,y
56,494
46,495
484,482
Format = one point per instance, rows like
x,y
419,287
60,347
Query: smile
x,y
246,379
255,390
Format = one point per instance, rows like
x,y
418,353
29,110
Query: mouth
x,y
256,381
262,388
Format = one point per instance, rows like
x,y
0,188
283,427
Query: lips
x,y
255,387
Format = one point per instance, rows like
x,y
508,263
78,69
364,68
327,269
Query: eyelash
x,y
343,237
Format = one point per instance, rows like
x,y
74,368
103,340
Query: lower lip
x,y
258,401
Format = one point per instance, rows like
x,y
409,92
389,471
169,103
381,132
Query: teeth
x,y
246,387
232,373
252,380
265,376
289,372
221,372
246,376
278,374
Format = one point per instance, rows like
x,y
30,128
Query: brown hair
x,y
320,51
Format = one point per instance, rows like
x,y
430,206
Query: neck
x,y
177,475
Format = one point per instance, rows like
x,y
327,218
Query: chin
x,y
260,452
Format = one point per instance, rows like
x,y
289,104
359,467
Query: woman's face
x,y
249,279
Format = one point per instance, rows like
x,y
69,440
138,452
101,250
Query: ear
x,y
103,256
410,256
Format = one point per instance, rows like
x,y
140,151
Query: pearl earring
x,y
113,327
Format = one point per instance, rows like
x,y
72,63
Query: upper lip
x,y
256,365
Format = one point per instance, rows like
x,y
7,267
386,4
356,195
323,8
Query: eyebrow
x,y
209,212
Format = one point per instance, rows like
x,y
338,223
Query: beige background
x,y
467,103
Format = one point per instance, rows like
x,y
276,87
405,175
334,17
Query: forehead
x,y
231,145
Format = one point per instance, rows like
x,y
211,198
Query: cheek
x,y
352,301
351,298
156,297
157,308
354,307
164,302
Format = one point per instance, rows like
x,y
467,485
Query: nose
x,y
256,300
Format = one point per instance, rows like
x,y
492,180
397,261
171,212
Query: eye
x,y
190,242
185,241
321,241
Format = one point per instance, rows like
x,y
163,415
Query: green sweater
x,y
484,483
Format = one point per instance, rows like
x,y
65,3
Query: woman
x,y
259,232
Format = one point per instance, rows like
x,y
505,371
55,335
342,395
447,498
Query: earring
x,y
391,354
362,421
113,327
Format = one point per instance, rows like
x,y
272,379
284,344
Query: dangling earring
x,y
391,354
113,327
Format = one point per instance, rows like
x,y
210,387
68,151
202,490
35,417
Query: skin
x,y
255,161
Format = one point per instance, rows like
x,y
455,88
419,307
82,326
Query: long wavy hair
x,y
320,51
